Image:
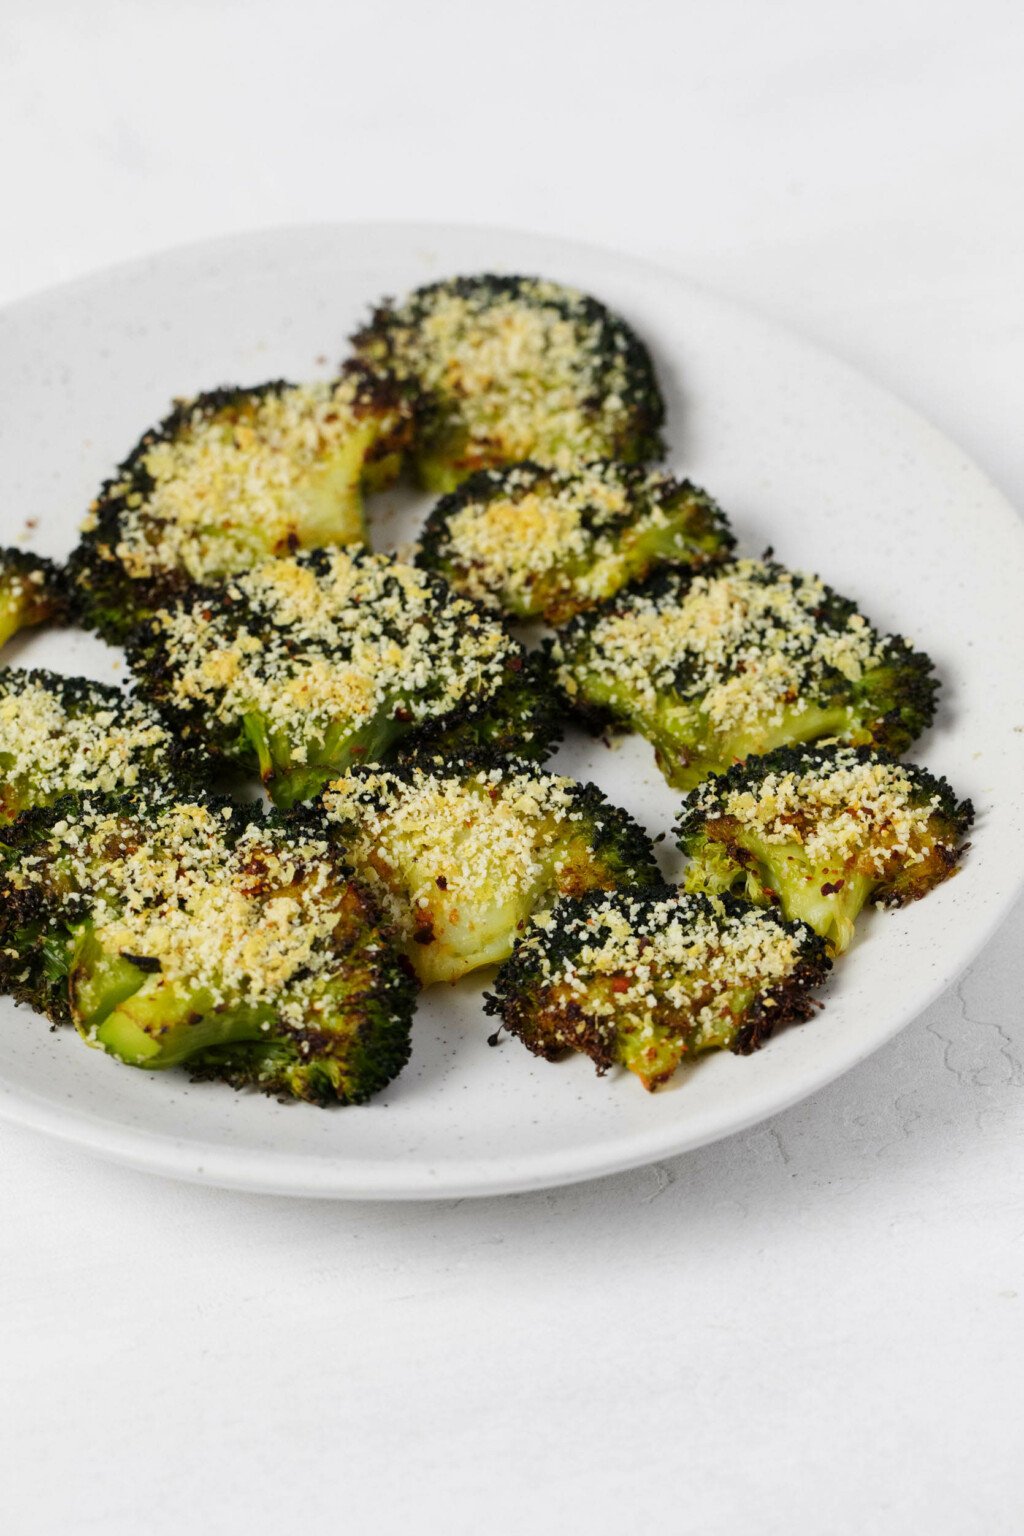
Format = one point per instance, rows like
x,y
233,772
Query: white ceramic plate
x,y
803,453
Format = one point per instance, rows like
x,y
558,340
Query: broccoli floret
x,y
230,478
649,981
550,543
716,667
306,665
197,933
510,368
464,853
822,830
525,718
70,736
32,590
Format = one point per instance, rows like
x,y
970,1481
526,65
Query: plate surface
x,y
803,454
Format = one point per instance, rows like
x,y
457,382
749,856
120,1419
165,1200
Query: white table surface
x,y
813,1327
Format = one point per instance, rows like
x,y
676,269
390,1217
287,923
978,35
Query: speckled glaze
x,y
802,453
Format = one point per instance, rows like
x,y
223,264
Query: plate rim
x,y
283,1173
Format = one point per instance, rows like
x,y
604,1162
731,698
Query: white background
x,y
813,1327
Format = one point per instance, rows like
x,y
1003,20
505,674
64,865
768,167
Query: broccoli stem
x,y
132,1013
687,750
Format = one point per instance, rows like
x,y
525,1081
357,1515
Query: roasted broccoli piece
x,y
715,667
550,543
230,478
510,368
70,736
464,853
525,718
32,590
822,830
306,665
648,981
197,933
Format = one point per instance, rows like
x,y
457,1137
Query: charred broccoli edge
x,y
103,597
519,984
641,395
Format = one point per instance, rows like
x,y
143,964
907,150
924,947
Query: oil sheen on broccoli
x,y
648,982
718,666
511,368
32,592
463,854
198,934
550,543
70,736
306,665
230,478
820,831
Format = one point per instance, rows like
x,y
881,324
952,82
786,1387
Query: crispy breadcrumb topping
x,y
248,920
844,810
342,635
68,738
527,368
747,644
524,535
441,839
264,471
647,961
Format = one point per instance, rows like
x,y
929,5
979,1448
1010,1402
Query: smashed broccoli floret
x,y
463,854
510,368
304,666
718,666
550,543
524,718
232,477
71,736
650,981
32,591
821,831
196,933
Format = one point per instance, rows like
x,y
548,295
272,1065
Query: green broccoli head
x,y
511,368
306,665
230,478
71,736
551,543
524,718
739,661
196,933
647,981
464,853
819,831
32,591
